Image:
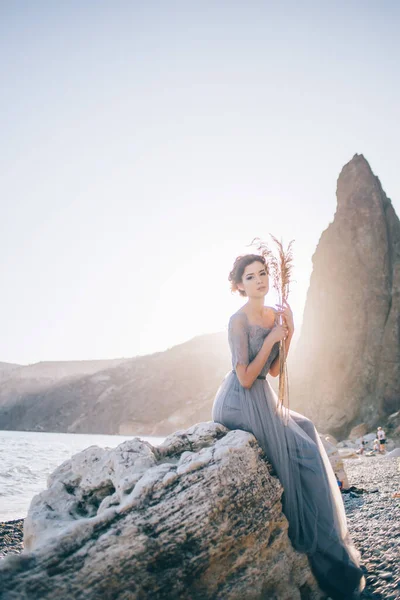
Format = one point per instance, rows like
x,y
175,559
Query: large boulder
x,y
393,453
198,517
346,368
358,431
368,437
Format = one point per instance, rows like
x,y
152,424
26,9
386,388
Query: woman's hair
x,y
241,262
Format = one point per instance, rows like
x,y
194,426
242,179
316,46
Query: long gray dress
x,y
311,500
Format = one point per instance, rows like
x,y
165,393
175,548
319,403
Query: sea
x,y
28,457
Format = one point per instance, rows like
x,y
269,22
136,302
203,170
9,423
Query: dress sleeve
x,y
238,339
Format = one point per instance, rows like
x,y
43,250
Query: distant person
x,y
380,434
362,446
245,400
375,446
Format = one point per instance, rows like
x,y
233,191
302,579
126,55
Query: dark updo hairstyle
x,y
241,262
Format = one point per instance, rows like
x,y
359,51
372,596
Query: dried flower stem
x,y
280,268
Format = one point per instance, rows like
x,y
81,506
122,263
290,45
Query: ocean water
x,y
28,457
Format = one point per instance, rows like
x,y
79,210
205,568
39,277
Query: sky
x,y
145,144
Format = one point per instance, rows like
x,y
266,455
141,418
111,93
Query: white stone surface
x,y
198,517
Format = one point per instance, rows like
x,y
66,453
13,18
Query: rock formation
x,y
347,364
358,431
198,517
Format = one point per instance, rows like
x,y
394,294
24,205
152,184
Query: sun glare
x,y
195,298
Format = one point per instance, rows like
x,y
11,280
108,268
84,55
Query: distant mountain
x,y
18,380
153,395
5,369
59,369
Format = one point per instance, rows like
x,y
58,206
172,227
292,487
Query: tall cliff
x,y
347,362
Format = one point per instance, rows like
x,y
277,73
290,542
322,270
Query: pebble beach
x,y
373,518
373,514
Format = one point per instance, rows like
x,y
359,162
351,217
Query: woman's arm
x,y
274,369
248,374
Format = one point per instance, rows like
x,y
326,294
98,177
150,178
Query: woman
x,y
245,400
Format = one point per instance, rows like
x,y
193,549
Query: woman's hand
x,y
279,332
287,315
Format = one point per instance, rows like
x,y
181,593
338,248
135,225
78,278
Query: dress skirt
x,y
311,500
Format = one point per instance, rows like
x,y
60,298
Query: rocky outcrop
x,y
358,431
347,364
198,517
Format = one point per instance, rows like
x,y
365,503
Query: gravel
x,y
373,517
11,535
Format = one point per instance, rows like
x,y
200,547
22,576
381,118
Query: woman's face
x,y
255,280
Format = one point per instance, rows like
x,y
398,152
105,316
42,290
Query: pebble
x,y
386,576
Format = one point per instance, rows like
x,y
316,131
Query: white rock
x,y
198,517
369,437
393,453
336,461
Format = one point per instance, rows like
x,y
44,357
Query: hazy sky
x,y
144,144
